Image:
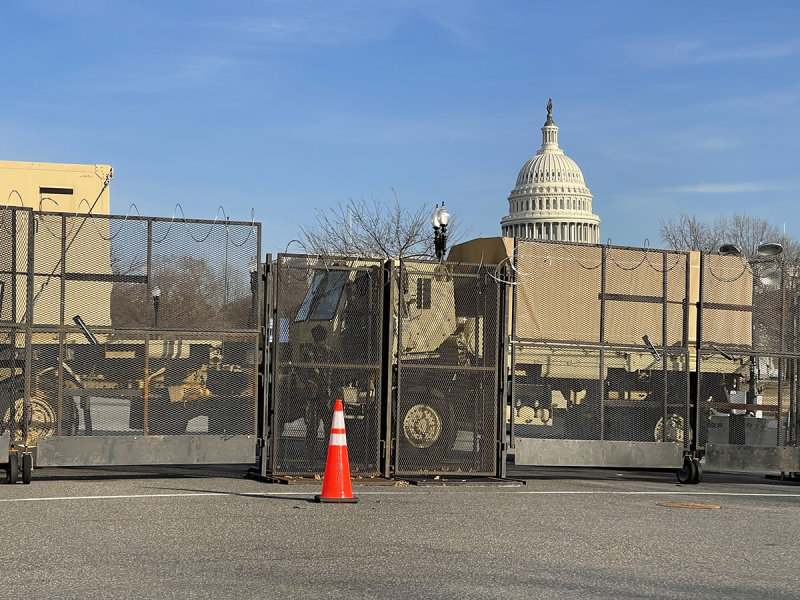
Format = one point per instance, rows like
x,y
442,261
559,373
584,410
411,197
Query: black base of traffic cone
x,y
352,500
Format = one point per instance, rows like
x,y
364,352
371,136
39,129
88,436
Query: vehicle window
x,y
305,307
322,297
328,298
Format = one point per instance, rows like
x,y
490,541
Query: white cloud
x,y
727,188
166,76
663,51
717,143
317,22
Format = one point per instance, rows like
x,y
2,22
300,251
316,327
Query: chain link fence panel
x,y
448,318
747,390
142,328
600,344
16,230
328,340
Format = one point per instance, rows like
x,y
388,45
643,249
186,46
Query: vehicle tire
x,y
688,472
42,416
168,425
12,467
428,428
27,467
233,417
165,417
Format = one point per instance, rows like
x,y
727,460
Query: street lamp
x,y
156,301
439,219
730,250
766,252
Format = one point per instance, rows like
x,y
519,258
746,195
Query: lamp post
x,y
439,219
765,252
156,301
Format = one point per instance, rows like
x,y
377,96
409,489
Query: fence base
x,y
145,450
752,459
596,453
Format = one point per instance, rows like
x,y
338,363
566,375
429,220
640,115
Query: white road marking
x,y
128,496
302,495
672,493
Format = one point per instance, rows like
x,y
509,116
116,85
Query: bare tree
x,y
688,232
372,228
194,295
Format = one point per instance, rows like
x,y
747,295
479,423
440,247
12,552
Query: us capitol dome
x,y
550,200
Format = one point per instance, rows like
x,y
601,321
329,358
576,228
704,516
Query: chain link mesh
x,y
15,284
600,344
748,363
328,343
142,326
446,404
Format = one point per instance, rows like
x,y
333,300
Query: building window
x,y
55,191
424,292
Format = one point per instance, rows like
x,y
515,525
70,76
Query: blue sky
x,y
284,106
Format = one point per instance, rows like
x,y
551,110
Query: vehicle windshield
x,y
322,297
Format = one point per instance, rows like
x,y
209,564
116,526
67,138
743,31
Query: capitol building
x,y
550,200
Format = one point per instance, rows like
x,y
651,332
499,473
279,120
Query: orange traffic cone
x,y
336,482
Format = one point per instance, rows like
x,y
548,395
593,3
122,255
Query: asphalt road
x,y
212,533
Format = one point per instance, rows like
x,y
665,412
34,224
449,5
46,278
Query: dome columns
x,y
582,232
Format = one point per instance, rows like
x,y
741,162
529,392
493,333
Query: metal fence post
x,y
387,367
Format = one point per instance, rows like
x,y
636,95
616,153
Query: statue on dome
x,y
549,108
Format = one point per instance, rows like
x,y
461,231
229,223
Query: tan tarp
x,y
558,287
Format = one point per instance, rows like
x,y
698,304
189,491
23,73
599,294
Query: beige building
x,y
550,200
74,190
56,187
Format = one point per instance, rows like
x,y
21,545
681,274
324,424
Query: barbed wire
x,y
211,226
130,216
7,206
745,268
325,262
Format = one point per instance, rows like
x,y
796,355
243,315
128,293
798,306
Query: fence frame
x,y
602,452
127,449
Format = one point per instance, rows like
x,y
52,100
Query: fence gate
x,y
600,356
16,274
144,341
747,408
446,405
327,340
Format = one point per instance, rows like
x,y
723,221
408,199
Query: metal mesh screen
x,y
559,393
15,286
143,326
600,344
747,391
328,344
446,405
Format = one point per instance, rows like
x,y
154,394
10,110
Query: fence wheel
x,y
27,467
688,472
12,467
699,477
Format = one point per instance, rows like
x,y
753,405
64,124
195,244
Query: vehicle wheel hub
x,y
41,418
422,426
